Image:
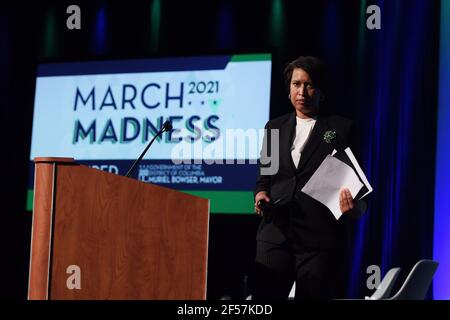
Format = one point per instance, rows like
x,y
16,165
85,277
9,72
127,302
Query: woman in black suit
x,y
299,239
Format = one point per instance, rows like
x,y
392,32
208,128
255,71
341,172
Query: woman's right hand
x,y
260,196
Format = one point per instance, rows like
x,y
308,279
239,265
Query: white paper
x,y
329,179
360,172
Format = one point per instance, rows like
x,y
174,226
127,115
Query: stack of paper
x,y
338,171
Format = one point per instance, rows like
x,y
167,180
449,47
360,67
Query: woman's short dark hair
x,y
312,65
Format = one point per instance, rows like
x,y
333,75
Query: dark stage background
x,y
386,80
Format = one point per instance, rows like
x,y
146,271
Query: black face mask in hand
x,y
268,209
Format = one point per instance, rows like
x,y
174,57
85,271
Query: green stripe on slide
x,y
227,201
30,197
251,57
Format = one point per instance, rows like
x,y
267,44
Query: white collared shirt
x,y
302,133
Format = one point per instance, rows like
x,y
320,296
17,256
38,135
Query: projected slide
x,y
104,113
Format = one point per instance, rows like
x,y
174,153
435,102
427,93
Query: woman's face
x,y
304,96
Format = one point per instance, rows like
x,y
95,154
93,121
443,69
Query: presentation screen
x,y
104,113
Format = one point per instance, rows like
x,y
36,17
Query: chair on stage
x,y
418,281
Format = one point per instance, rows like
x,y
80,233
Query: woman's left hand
x,y
345,200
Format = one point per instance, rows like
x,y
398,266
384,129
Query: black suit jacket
x,y
310,223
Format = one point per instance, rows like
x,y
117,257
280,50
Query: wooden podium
x,y
97,235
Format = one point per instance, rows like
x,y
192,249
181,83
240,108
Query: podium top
x,y
54,159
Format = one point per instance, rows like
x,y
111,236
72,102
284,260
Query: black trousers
x,y
277,266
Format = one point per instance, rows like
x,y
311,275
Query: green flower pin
x,y
329,135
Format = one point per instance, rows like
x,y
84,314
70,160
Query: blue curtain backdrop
x,y
386,80
442,189
397,109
